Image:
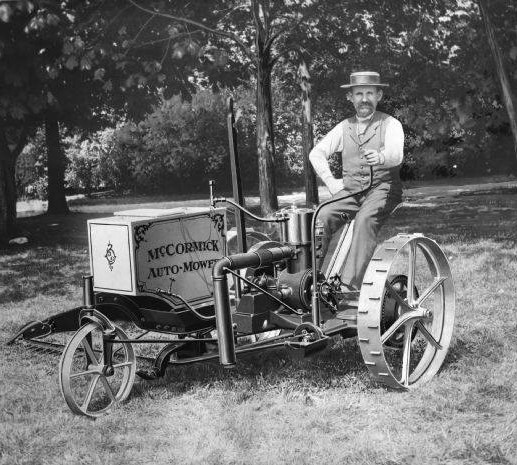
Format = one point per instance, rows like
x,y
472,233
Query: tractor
x,y
193,289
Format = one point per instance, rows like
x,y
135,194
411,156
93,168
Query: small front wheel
x,y
89,386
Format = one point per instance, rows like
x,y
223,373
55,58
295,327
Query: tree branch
x,y
229,35
256,18
260,38
143,27
166,51
265,13
165,39
287,29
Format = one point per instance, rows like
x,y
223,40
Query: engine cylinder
x,y
297,233
299,225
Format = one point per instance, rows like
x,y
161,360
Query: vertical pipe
x,y
223,314
236,178
223,318
88,295
236,187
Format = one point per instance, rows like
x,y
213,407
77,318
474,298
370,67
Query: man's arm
x,y
331,143
393,144
393,151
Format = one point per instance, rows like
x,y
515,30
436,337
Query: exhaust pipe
x,y
223,315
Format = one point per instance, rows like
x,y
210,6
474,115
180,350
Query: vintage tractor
x,y
169,273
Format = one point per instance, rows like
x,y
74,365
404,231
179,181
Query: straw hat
x,y
364,78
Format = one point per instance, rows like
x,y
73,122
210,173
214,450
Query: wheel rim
x,y
85,385
430,312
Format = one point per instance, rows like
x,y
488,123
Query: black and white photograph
x,y
258,232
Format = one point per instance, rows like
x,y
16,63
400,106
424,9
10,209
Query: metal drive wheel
x,y
89,386
406,311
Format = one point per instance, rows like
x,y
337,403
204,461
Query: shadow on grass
x,y
54,230
41,270
338,366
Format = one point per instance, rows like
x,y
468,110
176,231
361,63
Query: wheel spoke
x,y
122,364
428,336
84,373
89,393
89,351
108,389
397,296
411,273
406,356
438,282
117,351
395,326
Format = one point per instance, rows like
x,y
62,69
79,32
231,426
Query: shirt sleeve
x,y
331,143
393,143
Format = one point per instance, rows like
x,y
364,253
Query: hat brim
x,y
348,86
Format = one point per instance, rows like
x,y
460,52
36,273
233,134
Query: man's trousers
x,y
370,211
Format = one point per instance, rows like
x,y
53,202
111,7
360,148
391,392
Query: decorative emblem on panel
x,y
218,220
110,255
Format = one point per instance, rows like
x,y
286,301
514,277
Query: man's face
x,y
365,99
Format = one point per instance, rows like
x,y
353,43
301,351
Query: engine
x,y
291,280
277,279
295,281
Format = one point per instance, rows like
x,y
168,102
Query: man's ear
x,y
349,96
380,94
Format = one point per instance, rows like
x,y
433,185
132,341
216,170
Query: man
x,y
368,139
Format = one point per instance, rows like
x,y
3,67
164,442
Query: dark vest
x,y
356,172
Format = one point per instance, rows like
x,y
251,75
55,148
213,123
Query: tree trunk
x,y
501,73
311,186
56,167
7,195
8,158
265,143
265,137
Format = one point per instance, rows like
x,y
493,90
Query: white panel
x,y
110,257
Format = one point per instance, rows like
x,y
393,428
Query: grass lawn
x,y
273,409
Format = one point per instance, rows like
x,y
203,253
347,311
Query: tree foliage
x,y
140,66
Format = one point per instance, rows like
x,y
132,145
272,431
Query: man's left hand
x,y
373,157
